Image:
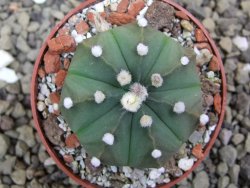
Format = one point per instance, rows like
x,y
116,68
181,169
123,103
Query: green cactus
x,y
129,104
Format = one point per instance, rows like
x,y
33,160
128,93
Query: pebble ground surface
x,y
24,162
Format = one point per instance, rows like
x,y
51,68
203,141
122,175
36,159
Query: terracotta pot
x,y
60,163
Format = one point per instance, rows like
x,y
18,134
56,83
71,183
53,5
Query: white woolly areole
x,y
142,49
185,164
124,78
204,119
99,97
96,51
179,107
146,121
142,22
108,138
184,60
139,90
131,102
95,162
67,103
156,80
156,153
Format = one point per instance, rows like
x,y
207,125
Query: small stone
x,y
51,62
18,110
245,5
82,27
209,24
21,148
4,105
228,154
226,44
22,45
39,1
54,98
247,143
242,76
197,151
40,106
238,138
155,18
241,43
135,7
4,145
234,173
185,164
62,44
243,103
8,75
60,77
23,19
195,137
7,165
223,182
26,134
225,136
217,103
68,158
52,131
123,6
187,25
72,141
201,180
200,36
19,176
181,15
208,100
120,18
6,58
222,169
154,174
203,45
214,64
6,123
245,168
204,57
57,14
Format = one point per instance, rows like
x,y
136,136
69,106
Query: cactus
x,y
132,96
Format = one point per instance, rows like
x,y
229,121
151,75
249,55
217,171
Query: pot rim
x,y
37,121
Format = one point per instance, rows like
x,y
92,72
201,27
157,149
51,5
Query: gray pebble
x,y
18,176
21,148
4,145
234,173
7,165
195,137
222,169
225,136
245,168
26,134
201,180
238,138
247,143
6,123
18,110
228,154
23,19
22,45
223,182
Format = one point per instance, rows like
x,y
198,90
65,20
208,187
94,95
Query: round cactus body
x,y
133,100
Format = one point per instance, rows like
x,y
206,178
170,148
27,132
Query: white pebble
x,y
55,107
88,35
79,38
241,43
40,106
185,163
210,74
96,51
143,11
113,169
39,1
142,22
95,162
8,75
146,121
99,7
51,109
207,137
149,2
154,174
44,90
124,77
196,51
99,97
156,153
142,49
179,107
108,138
184,60
156,80
6,58
204,119
68,103
74,33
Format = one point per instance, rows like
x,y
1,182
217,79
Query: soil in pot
x,y
56,62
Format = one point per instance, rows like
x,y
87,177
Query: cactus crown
x,y
134,101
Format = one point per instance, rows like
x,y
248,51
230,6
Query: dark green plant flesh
x,y
133,144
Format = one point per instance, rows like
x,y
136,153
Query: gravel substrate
x,y
23,160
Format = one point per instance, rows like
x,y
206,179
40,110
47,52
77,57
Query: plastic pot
x,y
38,123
